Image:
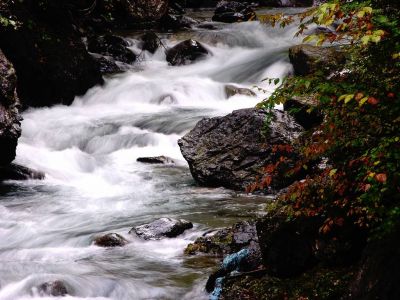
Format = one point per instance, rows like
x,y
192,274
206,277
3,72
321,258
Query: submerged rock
x,y
307,59
17,172
156,160
186,52
232,90
53,288
231,151
10,126
110,240
232,11
164,227
112,45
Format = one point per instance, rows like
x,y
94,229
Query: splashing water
x,y
94,185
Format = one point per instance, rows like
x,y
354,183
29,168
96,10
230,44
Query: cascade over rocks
x,y
164,227
10,126
232,11
307,59
231,151
186,52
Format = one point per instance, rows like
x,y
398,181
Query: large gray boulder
x,y
231,151
10,127
308,59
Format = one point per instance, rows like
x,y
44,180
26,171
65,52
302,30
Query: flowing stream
x,y
95,186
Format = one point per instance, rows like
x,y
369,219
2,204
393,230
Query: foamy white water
x,y
95,186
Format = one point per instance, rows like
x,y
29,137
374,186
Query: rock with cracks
x,y
307,59
10,127
231,151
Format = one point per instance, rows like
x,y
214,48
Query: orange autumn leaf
x,y
373,101
381,177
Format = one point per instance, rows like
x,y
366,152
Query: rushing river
x,y
95,186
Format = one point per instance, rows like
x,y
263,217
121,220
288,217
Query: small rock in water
x,y
231,90
156,160
164,227
17,172
150,42
53,288
110,240
186,52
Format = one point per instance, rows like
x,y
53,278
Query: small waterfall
x,y
94,184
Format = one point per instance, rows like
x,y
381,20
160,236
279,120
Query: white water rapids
x,y
95,186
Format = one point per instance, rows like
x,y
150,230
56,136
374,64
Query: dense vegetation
x,y
359,141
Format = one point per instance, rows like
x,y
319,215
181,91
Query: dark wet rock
x,y
307,59
304,111
53,288
177,6
107,65
164,227
186,52
231,90
225,241
201,3
177,22
110,240
232,11
17,172
112,45
378,275
150,42
287,246
51,61
145,10
10,126
156,160
231,151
